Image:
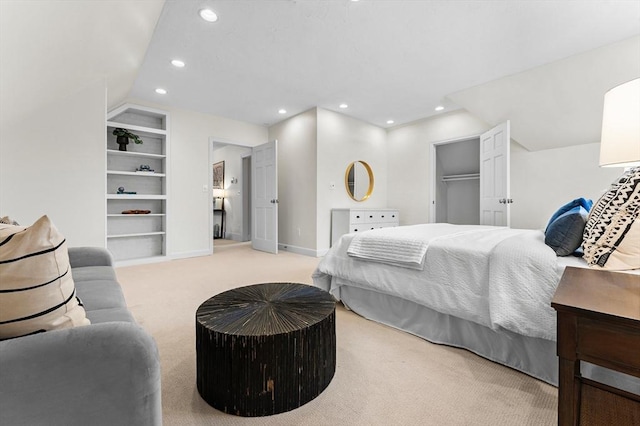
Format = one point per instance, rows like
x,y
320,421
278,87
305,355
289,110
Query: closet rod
x,y
468,176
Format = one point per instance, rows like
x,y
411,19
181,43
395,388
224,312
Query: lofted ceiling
x,y
387,59
51,48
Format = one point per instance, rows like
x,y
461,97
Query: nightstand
x,y
598,322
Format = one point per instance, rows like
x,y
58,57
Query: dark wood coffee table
x,y
265,349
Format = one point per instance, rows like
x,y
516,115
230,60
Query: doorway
x,y
456,181
470,179
230,195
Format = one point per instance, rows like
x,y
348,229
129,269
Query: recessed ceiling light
x,y
208,15
177,63
161,91
343,106
439,108
282,111
390,121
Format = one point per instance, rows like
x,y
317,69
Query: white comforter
x,y
494,276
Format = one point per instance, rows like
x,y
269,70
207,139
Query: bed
x,y
482,288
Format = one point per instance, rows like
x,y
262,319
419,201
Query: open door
x,y
264,197
494,176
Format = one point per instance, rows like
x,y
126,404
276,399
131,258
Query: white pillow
x,y
37,292
612,232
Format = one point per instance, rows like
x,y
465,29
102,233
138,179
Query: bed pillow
x,y
37,292
578,202
566,226
612,232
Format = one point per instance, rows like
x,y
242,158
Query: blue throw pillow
x,y
583,202
566,226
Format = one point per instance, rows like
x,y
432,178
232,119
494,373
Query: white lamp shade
x,y
218,193
620,143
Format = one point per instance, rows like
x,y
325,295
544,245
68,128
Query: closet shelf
x,y
468,176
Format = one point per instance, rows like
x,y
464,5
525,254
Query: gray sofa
x,y
106,373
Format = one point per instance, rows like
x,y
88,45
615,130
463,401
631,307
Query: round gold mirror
x,y
359,180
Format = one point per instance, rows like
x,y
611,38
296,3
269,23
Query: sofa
x,y
105,373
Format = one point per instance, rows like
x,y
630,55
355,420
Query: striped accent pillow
x,y
612,233
37,292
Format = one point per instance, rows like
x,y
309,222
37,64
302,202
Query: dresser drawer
x,y
347,221
611,343
381,216
358,216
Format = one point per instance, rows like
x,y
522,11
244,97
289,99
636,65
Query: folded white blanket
x,y
392,250
403,246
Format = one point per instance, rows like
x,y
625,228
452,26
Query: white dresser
x,y
345,221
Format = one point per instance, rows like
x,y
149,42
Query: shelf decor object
x,y
123,136
137,197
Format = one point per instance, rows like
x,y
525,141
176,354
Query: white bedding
x,y
494,276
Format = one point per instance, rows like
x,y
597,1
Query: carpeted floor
x,y
383,376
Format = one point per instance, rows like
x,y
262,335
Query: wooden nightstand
x,y
598,322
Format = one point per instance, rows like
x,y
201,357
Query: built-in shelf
x,y
139,130
147,174
137,238
135,215
134,154
141,234
468,176
135,197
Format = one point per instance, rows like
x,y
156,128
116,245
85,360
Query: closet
x,y
456,185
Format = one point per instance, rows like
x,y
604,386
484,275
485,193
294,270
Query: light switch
x,y
332,185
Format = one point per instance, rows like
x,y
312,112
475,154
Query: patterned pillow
x,y
37,292
612,233
7,220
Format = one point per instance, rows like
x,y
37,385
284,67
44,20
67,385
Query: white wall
x,y
341,141
53,162
188,220
297,165
314,150
542,181
409,153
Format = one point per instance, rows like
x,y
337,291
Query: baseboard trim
x,y
301,250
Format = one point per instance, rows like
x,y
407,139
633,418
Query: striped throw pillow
x,y
37,292
611,238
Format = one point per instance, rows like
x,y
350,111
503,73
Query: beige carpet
x,y
383,376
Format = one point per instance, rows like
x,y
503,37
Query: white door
x,y
264,197
494,176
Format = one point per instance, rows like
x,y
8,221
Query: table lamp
x,y
620,143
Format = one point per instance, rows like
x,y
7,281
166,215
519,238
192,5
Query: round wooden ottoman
x,y
265,349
